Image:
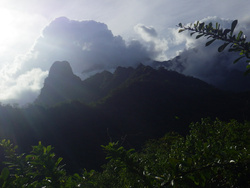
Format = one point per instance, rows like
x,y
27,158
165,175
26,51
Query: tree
x,y
213,154
39,168
237,42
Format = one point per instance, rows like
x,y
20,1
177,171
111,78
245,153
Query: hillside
x,y
129,105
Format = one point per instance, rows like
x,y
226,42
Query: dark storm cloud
x,y
87,45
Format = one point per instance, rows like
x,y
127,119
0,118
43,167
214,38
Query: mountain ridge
x,y
131,105
62,85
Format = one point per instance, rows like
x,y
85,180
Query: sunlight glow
x,y
9,26
18,31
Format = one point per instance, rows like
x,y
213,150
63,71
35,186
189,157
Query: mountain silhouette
x,y
131,105
219,72
61,85
142,99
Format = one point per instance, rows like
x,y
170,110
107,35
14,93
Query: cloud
x,y
21,89
154,43
147,32
206,63
88,45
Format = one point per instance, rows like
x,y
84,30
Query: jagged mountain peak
x,y
60,69
122,70
61,85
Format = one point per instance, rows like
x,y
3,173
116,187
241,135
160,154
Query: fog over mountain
x,y
90,47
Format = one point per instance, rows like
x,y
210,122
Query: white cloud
x,y
148,33
206,63
155,43
21,89
89,46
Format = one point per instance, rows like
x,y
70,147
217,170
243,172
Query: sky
x,y
96,35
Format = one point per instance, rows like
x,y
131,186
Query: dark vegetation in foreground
x,y
213,154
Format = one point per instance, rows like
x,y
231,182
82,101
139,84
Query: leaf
x,y
192,33
226,31
198,36
181,30
222,47
210,42
234,23
59,160
193,179
236,60
217,26
248,67
5,173
220,31
49,148
247,72
180,25
201,26
239,35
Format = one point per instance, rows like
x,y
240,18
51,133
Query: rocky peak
x,y
60,85
60,69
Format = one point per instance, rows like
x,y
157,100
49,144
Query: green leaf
x,y
239,35
222,47
181,30
234,23
180,25
59,161
236,60
5,173
210,42
49,148
201,26
217,26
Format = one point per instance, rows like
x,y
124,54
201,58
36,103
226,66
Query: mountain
x,y
144,100
153,101
131,105
60,85
217,70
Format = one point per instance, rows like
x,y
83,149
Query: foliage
x,y
237,42
40,168
213,154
